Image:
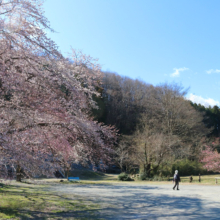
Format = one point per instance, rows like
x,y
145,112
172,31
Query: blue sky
x,y
156,41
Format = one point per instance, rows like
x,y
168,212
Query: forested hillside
x,y
158,127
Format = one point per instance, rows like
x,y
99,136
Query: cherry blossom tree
x,y
211,159
45,99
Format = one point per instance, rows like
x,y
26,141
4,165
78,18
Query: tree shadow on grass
x,y
38,215
28,203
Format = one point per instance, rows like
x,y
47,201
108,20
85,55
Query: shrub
x,y
187,167
124,177
142,176
158,178
154,178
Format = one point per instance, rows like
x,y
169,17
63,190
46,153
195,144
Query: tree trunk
x,y
147,169
67,172
18,173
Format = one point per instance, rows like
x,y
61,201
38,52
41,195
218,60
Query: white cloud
x,y
213,71
177,71
206,102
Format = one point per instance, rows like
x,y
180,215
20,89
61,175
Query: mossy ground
x,y
32,202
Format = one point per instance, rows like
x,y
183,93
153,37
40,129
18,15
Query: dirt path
x,y
138,201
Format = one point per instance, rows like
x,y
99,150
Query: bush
x,y
158,178
187,167
154,178
124,177
142,176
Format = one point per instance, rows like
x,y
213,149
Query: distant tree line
x,y
211,117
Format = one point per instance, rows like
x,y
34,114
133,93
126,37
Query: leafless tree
x,y
169,128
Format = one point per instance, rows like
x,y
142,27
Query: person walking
x,y
176,180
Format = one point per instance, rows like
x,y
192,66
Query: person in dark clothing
x,y
176,180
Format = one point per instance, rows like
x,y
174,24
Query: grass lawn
x,y
98,178
29,201
85,174
90,177
206,179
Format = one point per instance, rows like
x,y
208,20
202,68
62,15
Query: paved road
x,y
142,201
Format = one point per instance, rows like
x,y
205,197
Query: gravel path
x,y
139,201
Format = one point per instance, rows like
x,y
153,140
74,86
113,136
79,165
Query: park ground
x,y
103,197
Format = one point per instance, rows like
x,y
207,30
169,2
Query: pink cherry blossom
x,y
45,99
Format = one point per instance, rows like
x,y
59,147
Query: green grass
x,y
86,174
22,201
111,179
90,177
205,179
